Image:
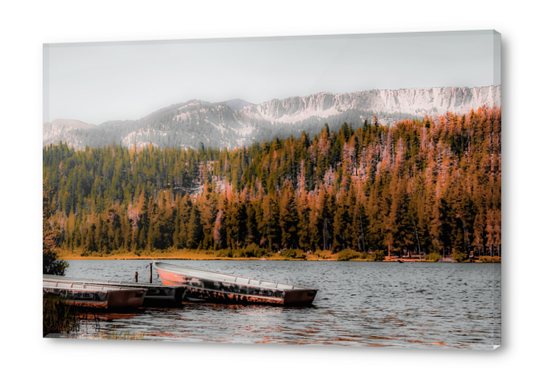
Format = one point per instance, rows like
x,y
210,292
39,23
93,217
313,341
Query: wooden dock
x,y
157,295
95,295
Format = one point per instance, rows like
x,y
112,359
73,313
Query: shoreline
x,y
202,257
184,258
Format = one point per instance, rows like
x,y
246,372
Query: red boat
x,y
222,288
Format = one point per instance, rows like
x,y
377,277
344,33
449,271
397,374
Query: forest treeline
x,y
430,186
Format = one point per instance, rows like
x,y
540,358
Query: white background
x,y
25,26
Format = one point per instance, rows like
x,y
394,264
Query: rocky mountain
x,y
237,122
61,130
237,104
416,102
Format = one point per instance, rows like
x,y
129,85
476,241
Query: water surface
x,y
425,305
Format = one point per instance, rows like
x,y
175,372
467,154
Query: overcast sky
x,y
97,82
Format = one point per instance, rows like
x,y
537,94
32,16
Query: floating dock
x,y
157,295
95,295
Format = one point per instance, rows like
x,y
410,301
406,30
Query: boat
x,y
157,295
95,295
208,286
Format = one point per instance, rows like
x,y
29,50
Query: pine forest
x,y
416,188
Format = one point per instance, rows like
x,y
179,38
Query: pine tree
x,y
194,229
208,205
269,224
51,264
304,212
289,219
316,222
341,221
253,234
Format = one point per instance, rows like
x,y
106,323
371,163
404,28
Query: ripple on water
x,y
426,305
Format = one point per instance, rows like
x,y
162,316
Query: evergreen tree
x,y
51,265
289,219
194,229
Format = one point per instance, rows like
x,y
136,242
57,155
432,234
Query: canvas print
x,y
318,190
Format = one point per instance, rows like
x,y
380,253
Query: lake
x,y
416,304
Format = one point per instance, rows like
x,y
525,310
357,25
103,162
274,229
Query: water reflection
x,y
358,304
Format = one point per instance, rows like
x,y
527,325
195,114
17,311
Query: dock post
x,y
136,276
150,272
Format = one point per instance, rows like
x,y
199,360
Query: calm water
x,y
425,305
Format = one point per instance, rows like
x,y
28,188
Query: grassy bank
x,y
58,316
187,254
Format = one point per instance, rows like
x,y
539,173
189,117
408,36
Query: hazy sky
x,y
97,82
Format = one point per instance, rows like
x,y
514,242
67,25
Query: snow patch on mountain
x,y
418,102
237,122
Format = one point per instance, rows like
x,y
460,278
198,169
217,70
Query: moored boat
x,y
215,287
95,295
157,295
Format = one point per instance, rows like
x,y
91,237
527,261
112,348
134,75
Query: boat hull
x,y
164,297
230,292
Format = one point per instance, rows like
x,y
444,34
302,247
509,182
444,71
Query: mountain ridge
x,y
237,122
